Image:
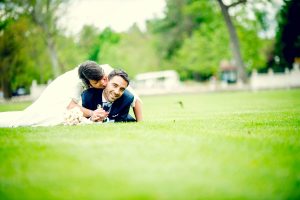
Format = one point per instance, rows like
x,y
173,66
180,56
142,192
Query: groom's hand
x,y
99,115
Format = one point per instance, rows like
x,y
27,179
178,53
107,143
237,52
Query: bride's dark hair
x,y
90,70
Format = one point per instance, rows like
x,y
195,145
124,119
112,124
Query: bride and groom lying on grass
x,y
101,93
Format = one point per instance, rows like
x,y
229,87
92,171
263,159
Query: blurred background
x,y
166,46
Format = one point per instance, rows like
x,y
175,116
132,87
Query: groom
x,y
114,99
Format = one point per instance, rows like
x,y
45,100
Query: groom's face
x,y
115,88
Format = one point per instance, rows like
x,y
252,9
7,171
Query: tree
x,y
179,23
20,42
88,37
69,52
189,23
134,52
200,55
287,46
235,46
106,36
44,14
12,54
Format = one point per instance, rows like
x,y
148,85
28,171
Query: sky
x,y
117,14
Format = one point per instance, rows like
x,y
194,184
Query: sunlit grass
x,y
8,106
216,146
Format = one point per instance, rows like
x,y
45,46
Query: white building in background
x,y
163,81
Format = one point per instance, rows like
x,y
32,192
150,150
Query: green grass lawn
x,y
238,145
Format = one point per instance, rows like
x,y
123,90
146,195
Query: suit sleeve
x,y
86,98
91,98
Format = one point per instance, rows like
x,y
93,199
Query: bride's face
x,y
100,84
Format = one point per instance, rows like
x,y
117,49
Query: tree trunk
x,y
53,56
43,16
234,41
6,86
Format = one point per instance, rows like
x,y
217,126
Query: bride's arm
x,y
76,96
86,112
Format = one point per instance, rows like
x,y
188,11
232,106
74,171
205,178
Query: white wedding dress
x,y
49,108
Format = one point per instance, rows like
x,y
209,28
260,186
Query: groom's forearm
x,y
137,109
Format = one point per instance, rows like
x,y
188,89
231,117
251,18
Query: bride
x,y
64,93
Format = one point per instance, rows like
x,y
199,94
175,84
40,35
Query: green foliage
x,y
88,39
218,146
11,10
134,53
192,37
182,18
37,57
200,56
70,53
107,36
24,56
252,24
25,32
287,46
13,56
253,47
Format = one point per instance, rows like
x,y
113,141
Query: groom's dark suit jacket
x,y
119,111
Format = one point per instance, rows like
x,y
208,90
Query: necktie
x,y
107,106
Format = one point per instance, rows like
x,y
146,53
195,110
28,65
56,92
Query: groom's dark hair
x,y
119,72
90,70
